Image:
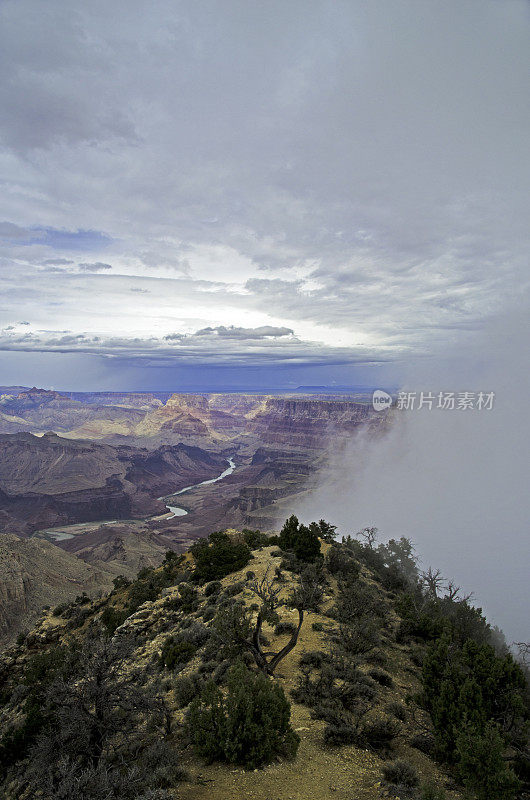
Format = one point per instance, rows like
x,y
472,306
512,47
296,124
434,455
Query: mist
x,y
455,482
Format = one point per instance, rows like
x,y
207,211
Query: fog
x,y
455,482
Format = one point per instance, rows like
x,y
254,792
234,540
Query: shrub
x,y
186,688
120,582
249,725
221,670
250,575
176,652
113,617
360,638
423,742
255,539
208,613
350,693
234,588
340,728
212,588
313,658
318,626
161,766
397,710
379,733
189,599
311,692
339,562
430,791
382,677
358,600
377,657
218,556
207,666
141,592
400,773
471,684
338,733
481,764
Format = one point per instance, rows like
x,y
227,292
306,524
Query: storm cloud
x,y
353,172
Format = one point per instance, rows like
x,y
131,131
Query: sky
x,y
248,194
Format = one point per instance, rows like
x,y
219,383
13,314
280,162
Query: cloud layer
x,y
180,179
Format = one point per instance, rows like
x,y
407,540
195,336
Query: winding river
x,y
61,533
176,511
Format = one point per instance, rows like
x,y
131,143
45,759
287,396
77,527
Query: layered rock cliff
x,y
49,480
307,423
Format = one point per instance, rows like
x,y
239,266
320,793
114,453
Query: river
x,y
60,534
176,511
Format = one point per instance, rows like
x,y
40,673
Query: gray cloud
x,y
57,262
361,183
263,332
251,347
95,266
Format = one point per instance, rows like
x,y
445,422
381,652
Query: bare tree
x,y
235,621
368,536
433,581
100,719
452,592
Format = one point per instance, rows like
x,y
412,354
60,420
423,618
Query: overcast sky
x,y
258,193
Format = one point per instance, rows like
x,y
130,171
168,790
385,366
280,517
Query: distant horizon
x,y
209,390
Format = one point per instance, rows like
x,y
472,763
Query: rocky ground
x,y
319,771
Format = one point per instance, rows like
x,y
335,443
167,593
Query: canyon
x,y
85,477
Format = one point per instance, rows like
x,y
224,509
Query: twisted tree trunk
x,y
267,662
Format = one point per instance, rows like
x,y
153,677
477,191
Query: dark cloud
x,y
264,332
246,347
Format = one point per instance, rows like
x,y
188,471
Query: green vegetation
x,y
218,556
105,709
176,652
303,541
248,725
476,700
